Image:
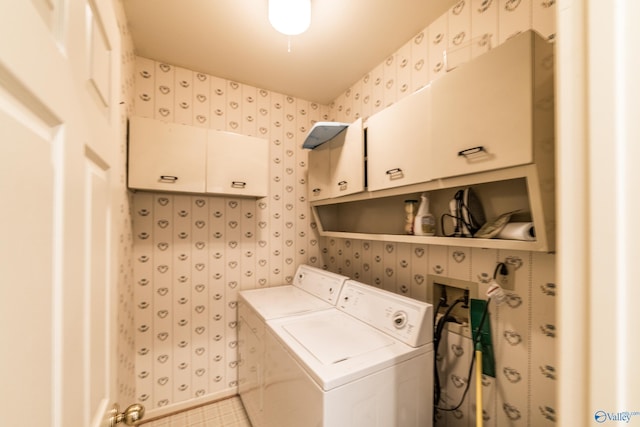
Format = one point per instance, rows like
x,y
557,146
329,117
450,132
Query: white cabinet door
x,y
347,161
398,143
166,156
482,112
336,168
319,174
237,164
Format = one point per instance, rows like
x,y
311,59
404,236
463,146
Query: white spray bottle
x,y
425,222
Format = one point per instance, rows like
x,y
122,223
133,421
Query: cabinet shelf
x,y
379,215
441,241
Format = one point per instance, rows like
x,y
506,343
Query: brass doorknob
x,y
130,415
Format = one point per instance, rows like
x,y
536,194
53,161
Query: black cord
x,y
473,360
460,224
436,342
441,303
502,267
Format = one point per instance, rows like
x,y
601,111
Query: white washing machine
x,y
369,362
312,290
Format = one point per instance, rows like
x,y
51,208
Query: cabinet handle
x,y
316,191
471,151
342,184
395,173
238,184
168,178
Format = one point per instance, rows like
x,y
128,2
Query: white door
x,y
598,269
59,82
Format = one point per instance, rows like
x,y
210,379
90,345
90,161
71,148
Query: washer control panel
x,y
406,319
399,319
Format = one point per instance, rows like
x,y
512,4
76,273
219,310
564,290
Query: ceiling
x,y
233,39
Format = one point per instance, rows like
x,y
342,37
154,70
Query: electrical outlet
x,y
507,281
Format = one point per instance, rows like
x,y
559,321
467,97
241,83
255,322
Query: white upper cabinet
x,y
166,156
483,115
237,164
336,168
398,143
180,158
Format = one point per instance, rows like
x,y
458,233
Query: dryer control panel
x,y
405,319
320,283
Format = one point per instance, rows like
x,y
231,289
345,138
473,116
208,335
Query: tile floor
x,y
224,413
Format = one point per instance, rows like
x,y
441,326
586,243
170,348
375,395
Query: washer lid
x,y
336,349
331,341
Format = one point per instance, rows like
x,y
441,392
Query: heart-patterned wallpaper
x,y
192,254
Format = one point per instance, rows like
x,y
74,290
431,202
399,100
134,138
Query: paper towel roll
x,y
518,231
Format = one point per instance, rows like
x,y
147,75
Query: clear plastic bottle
x,y
409,215
425,222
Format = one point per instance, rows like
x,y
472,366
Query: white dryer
x,y
369,362
313,289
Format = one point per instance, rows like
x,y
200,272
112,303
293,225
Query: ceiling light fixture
x,y
290,17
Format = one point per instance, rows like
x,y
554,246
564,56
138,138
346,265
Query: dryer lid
x,y
281,301
332,340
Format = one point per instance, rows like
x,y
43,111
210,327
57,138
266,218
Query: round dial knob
x,y
399,319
